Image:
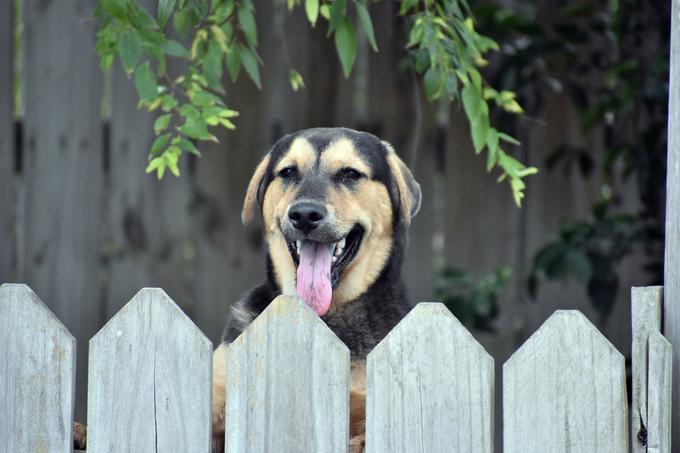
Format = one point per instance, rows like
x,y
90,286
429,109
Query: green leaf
x,y
129,49
174,49
246,20
508,138
212,66
161,123
492,140
165,8
366,24
160,143
155,164
325,11
338,13
432,82
346,45
480,130
188,146
251,65
295,79
472,100
145,82
233,60
312,10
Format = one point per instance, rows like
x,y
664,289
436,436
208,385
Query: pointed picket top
x,y
37,363
149,380
565,390
287,384
429,387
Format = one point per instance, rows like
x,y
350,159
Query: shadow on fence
x,y
430,385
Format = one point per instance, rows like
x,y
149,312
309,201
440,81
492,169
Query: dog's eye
x,y
349,174
288,172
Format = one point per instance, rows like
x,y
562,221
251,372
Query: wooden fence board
x,y
646,319
63,163
37,364
565,390
660,394
287,384
149,380
7,217
671,308
429,387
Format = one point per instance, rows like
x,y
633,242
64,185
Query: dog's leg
x,y
79,436
218,398
357,408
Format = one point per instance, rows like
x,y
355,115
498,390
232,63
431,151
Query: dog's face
x,y
331,200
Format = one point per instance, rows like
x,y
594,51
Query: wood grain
x,y
63,165
37,375
671,307
7,209
149,380
565,390
429,387
287,384
646,319
659,394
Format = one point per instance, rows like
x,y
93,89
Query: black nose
x,y
306,216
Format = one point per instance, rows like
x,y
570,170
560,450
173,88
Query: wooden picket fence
x,y
430,384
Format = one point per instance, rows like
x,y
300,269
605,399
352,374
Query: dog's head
x,y
331,201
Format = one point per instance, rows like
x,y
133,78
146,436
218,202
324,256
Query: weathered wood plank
x,y
148,221
565,390
7,217
671,307
660,381
429,387
37,365
63,164
287,384
646,319
149,380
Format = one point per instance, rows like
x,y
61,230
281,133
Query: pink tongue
x,y
314,276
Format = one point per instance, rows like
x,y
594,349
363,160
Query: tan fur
x,y
219,396
301,154
340,154
409,198
357,407
251,193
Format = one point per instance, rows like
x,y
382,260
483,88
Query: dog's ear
x,y
409,189
252,194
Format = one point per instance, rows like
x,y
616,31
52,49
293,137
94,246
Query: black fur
x,y
363,322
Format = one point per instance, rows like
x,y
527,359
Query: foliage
x,y
473,302
447,50
183,78
588,252
611,60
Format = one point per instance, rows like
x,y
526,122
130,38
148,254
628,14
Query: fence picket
x,y
429,387
287,384
646,319
659,394
149,380
37,365
7,210
565,390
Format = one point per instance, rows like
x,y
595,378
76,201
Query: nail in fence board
x,y
287,384
659,397
565,390
429,387
37,364
646,319
149,380
671,308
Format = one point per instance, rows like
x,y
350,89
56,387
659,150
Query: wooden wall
x,y
92,227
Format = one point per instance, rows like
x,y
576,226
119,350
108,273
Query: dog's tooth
x,y
341,244
334,259
338,251
298,246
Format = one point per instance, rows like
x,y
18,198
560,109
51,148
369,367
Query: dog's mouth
x,y
320,265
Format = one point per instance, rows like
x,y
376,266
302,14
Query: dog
x,y
336,205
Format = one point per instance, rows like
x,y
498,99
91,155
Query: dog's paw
x,y
357,443
79,436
